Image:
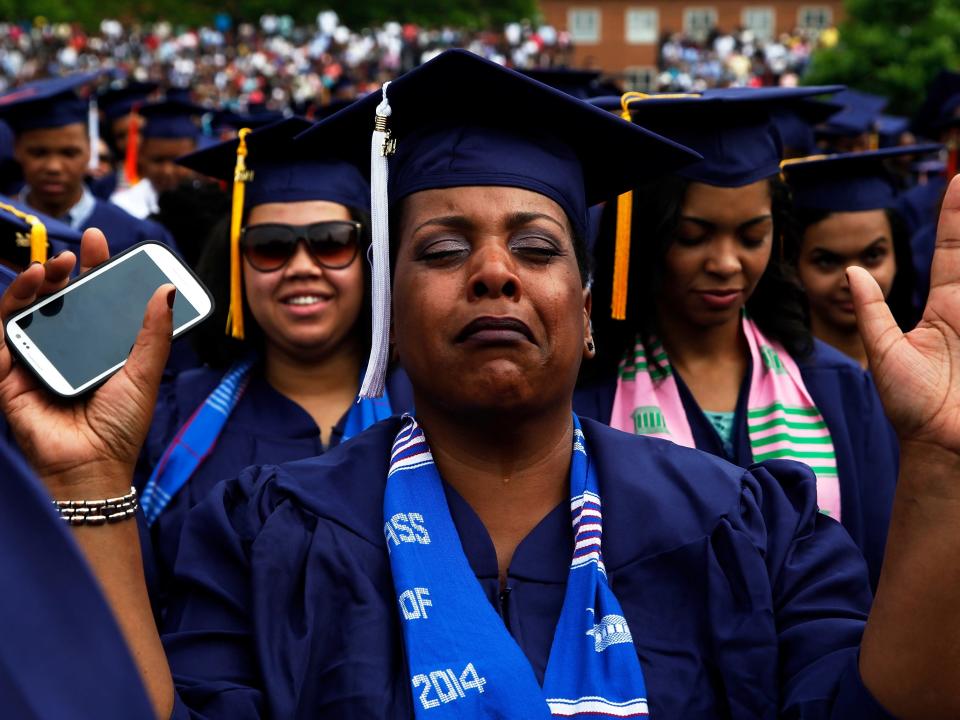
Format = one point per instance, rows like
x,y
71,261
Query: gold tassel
x,y
38,233
241,176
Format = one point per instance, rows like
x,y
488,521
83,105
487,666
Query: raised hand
x,y
918,373
87,447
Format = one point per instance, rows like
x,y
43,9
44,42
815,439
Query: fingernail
x,y
35,262
171,297
58,255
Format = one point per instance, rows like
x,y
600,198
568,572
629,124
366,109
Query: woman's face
x,y
721,249
831,246
303,308
489,310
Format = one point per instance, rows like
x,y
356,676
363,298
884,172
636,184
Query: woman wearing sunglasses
x,y
711,348
290,286
497,557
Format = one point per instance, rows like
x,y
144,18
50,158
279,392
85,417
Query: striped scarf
x,y
463,663
782,420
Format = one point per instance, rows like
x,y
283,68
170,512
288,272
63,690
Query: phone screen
x,y
91,329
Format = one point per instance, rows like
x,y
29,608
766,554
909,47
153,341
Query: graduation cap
x,y
940,107
847,182
265,166
796,121
46,104
118,101
859,115
579,83
27,235
444,125
233,120
171,119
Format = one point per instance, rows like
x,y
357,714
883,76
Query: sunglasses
x,y
332,244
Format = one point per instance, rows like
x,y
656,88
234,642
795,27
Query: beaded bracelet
x,y
98,512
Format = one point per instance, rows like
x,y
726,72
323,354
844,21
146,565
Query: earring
x,y
590,345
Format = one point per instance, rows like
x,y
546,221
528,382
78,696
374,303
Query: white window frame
x,y
584,39
804,10
634,38
652,74
690,12
767,34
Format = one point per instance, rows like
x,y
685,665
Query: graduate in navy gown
x,y
288,373
709,346
52,147
495,556
844,205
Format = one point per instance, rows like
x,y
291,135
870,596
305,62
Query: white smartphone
x,y
78,337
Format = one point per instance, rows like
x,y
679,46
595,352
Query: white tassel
x,y
381,147
93,130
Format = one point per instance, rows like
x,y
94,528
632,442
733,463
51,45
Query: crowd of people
x,y
740,58
529,402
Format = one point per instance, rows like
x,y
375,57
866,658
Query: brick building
x,y
622,36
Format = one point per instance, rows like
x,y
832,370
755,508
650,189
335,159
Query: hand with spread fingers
x,y
87,447
910,656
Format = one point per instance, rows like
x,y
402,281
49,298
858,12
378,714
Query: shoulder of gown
x,y
787,590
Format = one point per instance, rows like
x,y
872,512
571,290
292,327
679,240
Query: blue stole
x,y
198,436
462,661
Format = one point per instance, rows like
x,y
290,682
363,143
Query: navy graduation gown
x,y
266,427
59,638
866,447
122,229
743,601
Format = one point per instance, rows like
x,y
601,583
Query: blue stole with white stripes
x,y
463,662
198,436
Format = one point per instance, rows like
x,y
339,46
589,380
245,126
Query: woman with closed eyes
x,y
713,350
298,333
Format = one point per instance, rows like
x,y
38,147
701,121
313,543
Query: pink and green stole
x,y
782,421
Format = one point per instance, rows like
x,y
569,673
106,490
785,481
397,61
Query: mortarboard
x,y
731,128
27,235
443,125
579,83
847,182
939,109
232,120
265,167
890,128
171,119
796,121
115,102
859,115
46,104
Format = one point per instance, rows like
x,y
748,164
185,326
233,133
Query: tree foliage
x,y
893,48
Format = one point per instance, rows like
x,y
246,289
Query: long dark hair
x,y
213,346
900,300
776,305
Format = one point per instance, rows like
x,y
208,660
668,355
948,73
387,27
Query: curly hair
x,y
777,304
213,346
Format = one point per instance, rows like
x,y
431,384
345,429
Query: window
x,y
761,21
815,17
699,21
584,25
642,26
640,78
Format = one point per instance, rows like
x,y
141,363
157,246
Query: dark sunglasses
x,y
333,244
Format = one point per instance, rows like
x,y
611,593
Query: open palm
x,y
918,373
73,442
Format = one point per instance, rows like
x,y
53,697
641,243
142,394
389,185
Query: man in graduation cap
x,y
52,145
119,106
169,131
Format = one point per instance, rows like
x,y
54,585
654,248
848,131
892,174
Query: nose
x,y
493,274
301,262
722,258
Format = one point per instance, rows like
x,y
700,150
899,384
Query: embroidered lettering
x,y
399,522
414,603
447,685
418,527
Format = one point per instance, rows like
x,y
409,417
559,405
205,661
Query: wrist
x,y
929,470
90,481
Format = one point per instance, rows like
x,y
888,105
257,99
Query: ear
x,y
589,347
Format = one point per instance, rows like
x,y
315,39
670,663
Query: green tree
x,y
891,47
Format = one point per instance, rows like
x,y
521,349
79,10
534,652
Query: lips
x,y
720,298
495,330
